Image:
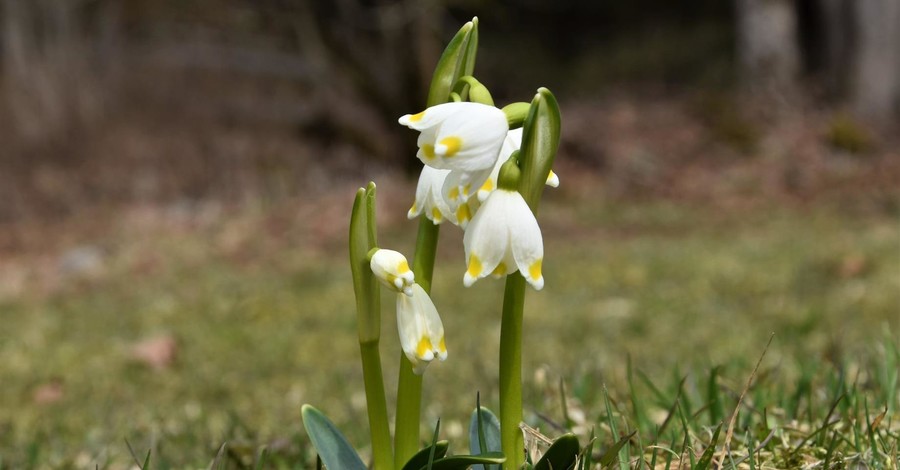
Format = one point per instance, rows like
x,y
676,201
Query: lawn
x,y
658,302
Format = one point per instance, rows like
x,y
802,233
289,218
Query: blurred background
x,y
176,177
154,101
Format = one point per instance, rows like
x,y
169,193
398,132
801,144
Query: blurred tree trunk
x,y
768,52
835,43
876,72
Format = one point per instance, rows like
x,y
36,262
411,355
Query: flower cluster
x,y
463,146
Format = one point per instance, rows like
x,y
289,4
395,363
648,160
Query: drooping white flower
x,y
391,268
502,238
430,199
420,328
511,143
457,192
459,136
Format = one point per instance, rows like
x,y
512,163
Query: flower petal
x,y
527,242
391,269
420,328
430,117
486,240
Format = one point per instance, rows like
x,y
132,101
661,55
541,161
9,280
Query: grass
x,y
667,307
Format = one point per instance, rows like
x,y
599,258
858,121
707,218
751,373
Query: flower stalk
x,y
457,60
540,141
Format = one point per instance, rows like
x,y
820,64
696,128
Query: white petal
x,y
410,325
391,269
486,240
471,140
430,117
553,180
428,196
433,324
420,328
527,242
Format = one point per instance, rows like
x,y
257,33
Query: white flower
x,y
457,190
502,238
511,143
429,197
420,328
459,136
391,268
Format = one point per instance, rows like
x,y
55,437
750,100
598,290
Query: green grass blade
x,y
613,452
434,440
716,414
707,456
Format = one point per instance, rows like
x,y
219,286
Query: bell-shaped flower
x,y
391,268
459,136
429,198
511,143
457,192
502,238
420,328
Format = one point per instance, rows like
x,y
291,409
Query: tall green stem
x,y
409,385
511,440
376,405
368,310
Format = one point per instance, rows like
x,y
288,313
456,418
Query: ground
x,y
682,237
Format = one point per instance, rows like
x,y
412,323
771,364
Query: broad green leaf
x,y
462,462
458,56
488,434
540,140
420,459
332,446
561,455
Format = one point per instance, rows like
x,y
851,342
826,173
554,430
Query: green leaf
x,y
462,462
707,456
561,455
457,60
540,140
587,453
716,413
332,446
490,429
420,459
610,455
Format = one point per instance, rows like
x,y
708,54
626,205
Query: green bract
x,y
539,144
362,240
458,60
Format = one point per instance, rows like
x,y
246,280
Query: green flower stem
x,y
469,87
409,386
516,114
376,405
368,311
511,441
409,406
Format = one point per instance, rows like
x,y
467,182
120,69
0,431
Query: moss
x,y
845,133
